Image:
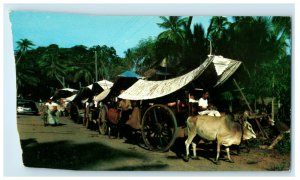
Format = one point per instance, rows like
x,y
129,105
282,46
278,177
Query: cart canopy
x,y
130,74
143,89
102,95
63,93
104,84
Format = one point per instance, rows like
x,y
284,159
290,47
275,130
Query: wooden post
x,y
244,97
278,138
273,100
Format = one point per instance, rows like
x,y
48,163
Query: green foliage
x,y
174,28
143,56
23,46
254,143
284,166
227,95
47,68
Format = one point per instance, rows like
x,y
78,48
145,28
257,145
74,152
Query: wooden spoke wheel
x,y
159,128
87,117
75,114
102,120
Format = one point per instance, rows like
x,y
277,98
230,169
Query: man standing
x,y
52,112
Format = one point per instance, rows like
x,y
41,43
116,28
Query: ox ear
x,y
246,114
271,121
247,125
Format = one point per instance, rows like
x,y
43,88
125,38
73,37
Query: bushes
x,y
256,143
284,166
284,146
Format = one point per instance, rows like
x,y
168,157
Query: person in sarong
x,y
53,113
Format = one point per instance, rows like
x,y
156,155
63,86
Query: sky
x,y
68,30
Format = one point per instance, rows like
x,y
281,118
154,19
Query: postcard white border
x,y
11,148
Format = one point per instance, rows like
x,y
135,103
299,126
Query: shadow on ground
x,y
67,155
155,167
204,150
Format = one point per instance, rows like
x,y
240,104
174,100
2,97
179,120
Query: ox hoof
x,y
195,158
231,161
185,158
217,162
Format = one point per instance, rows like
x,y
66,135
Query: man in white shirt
x,y
204,107
203,102
52,112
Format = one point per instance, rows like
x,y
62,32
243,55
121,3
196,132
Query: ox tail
x,y
189,124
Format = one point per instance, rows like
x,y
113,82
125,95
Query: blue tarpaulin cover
x,y
130,74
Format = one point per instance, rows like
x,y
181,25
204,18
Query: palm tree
x,y
217,26
282,26
53,65
173,41
26,77
84,73
216,32
278,72
195,50
23,46
23,73
129,58
282,34
174,28
262,43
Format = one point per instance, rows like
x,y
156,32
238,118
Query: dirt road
x,y
73,146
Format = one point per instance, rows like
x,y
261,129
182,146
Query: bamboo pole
x,y
244,97
273,100
278,138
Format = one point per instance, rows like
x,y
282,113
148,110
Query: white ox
x,y
222,129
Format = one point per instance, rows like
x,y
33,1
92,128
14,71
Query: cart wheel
x,y
89,122
75,114
87,118
159,128
102,120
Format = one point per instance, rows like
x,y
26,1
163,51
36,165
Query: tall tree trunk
x,y
273,100
60,80
190,21
19,59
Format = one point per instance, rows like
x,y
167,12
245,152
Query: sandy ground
x,y
73,146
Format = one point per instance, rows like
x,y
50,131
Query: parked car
x,y
26,107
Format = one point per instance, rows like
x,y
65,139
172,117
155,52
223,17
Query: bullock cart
x,y
159,122
109,114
